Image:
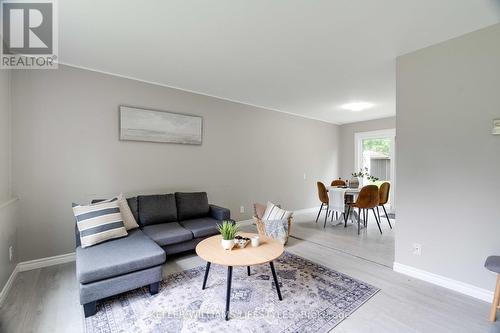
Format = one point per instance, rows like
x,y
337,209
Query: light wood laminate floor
x,y
46,300
370,244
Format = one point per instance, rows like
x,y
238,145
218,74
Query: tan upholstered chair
x,y
383,198
368,198
338,182
323,198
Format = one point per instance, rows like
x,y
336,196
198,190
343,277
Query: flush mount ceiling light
x,y
357,106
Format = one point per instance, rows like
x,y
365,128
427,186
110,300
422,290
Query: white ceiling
x,y
305,57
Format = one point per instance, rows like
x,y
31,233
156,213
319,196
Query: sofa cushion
x,y
202,227
219,213
167,233
191,205
132,203
154,209
117,257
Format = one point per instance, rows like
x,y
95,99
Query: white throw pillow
x,y
99,222
273,212
277,229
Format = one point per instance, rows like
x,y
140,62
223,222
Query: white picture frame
x,y
137,124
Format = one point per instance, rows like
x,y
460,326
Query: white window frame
x,y
358,147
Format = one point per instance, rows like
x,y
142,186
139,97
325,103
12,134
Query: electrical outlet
x,y
11,253
417,249
305,176
242,209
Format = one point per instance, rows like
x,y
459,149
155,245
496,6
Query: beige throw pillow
x,y
128,217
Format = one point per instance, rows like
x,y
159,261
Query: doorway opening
x,y
375,154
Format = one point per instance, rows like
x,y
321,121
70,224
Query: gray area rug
x,y
315,299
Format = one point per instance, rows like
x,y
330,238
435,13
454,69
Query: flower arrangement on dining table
x,y
364,173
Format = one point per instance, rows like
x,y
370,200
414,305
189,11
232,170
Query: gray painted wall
x,y
66,149
447,160
8,231
7,211
5,123
347,132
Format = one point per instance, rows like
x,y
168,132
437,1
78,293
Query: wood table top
x,y
211,250
346,189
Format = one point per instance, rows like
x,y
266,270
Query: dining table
x,y
336,197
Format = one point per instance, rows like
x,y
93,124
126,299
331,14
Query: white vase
x,y
354,182
227,244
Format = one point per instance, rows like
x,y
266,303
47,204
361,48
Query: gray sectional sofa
x,y
169,223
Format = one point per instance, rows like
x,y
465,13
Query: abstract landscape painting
x,y
158,126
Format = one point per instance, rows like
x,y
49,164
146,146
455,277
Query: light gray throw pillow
x,y
277,229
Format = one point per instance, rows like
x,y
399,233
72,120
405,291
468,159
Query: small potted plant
x,y
228,230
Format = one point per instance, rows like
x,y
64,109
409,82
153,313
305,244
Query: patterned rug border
x,y
362,300
331,323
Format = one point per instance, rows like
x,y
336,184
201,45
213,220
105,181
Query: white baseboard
x,y
45,262
295,212
306,210
461,287
8,285
245,222
33,264
68,257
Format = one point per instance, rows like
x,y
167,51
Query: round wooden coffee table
x,y
211,251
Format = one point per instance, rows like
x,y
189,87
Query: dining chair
x,y
493,264
323,197
383,198
368,198
348,198
338,182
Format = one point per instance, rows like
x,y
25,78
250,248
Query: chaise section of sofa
x,y
117,266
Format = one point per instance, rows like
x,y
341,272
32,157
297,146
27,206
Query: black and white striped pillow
x,y
99,222
273,212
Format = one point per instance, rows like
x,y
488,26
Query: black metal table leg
x,y
228,291
326,216
248,270
206,276
346,216
275,277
